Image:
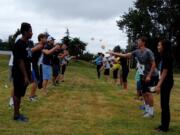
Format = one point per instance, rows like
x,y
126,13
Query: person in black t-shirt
x,y
124,72
36,68
165,83
56,63
21,70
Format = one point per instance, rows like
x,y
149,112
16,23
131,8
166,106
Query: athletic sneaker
x,y
11,103
142,107
57,82
21,118
33,98
147,115
160,129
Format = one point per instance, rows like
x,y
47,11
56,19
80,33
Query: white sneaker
x,y
147,115
11,102
32,99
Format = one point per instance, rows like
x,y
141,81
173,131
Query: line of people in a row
x,y
118,66
36,65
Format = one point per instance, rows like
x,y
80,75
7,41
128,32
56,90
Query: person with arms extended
x,y
21,70
149,77
36,68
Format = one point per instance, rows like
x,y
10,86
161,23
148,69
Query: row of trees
x,y
75,46
154,19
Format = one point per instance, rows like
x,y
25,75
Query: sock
x,y
151,110
146,108
11,102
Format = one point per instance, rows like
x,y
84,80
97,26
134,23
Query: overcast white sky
x,y
84,18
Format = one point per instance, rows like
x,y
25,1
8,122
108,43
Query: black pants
x,y
165,98
98,70
63,69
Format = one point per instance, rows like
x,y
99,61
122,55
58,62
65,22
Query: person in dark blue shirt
x,y
48,51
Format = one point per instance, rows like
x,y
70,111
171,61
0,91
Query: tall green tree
x,y
154,19
75,46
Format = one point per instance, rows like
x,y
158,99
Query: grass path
x,y
84,105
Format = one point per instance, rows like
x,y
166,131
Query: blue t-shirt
x,y
98,60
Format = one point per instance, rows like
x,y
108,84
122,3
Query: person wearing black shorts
x,y
64,62
106,66
21,70
149,72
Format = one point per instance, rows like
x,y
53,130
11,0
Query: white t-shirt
x,y
106,63
140,68
11,60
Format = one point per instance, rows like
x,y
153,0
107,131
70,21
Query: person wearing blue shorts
x,y
48,51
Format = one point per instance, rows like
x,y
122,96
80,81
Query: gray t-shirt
x,y
144,59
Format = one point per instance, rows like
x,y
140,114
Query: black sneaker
x,y
161,129
21,118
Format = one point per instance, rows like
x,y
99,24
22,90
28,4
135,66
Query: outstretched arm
x,y
126,55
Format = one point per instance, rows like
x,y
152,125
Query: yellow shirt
x,y
116,64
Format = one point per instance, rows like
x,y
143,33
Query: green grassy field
x,y
84,105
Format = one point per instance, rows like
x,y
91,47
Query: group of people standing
x,y
149,77
36,65
118,66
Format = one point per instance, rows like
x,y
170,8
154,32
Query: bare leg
x,y
125,85
33,89
45,83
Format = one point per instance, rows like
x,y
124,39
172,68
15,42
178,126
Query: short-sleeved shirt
x,y
98,60
167,63
106,63
124,64
56,60
36,56
11,60
144,58
47,59
20,52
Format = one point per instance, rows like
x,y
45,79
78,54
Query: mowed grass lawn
x,y
84,105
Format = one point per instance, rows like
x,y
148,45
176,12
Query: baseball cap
x,y
50,38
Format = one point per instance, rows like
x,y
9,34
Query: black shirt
x,y
20,52
36,56
124,64
47,59
167,63
56,60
